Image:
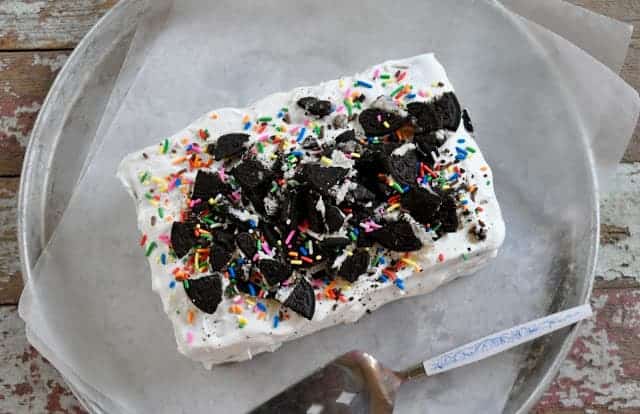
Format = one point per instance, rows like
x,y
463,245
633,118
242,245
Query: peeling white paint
x,y
19,8
620,208
54,63
10,123
602,373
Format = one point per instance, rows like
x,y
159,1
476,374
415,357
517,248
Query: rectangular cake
x,y
312,207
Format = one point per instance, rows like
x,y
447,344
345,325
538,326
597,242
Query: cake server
x,y
357,383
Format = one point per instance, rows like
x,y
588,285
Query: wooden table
x,y
601,375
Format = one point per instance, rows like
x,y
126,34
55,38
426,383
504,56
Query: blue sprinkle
x,y
276,321
163,259
301,135
460,157
382,261
454,177
240,261
178,182
189,147
356,231
461,141
383,279
304,251
465,202
232,272
280,114
461,151
252,224
364,84
252,289
298,153
425,179
247,126
261,307
405,188
172,284
411,96
400,283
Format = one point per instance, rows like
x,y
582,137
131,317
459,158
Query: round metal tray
x,y
72,112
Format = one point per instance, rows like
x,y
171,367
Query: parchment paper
x,y
108,328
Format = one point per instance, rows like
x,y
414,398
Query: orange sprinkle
x,y
245,119
178,160
213,116
235,309
190,317
261,316
390,273
405,132
484,168
184,141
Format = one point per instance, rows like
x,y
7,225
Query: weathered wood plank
x,y
28,383
626,11
10,278
51,24
25,78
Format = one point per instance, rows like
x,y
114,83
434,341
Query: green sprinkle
x,y
161,212
185,284
148,196
396,90
385,76
397,187
259,244
150,248
352,236
488,182
347,103
471,150
358,105
165,146
465,256
207,220
260,147
285,109
436,227
144,177
316,129
265,119
274,188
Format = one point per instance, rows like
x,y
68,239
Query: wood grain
x,y
50,24
25,78
10,278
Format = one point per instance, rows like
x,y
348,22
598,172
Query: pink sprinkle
x,y
172,183
255,257
317,283
348,155
294,130
238,300
189,337
347,93
307,122
266,248
196,148
222,175
195,202
376,73
263,137
402,75
164,238
422,94
379,118
289,237
235,195
286,283
340,109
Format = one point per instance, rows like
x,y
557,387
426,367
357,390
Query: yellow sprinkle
x,y
157,180
386,124
273,156
153,203
355,155
341,83
325,160
242,320
212,201
451,168
250,302
446,187
415,265
393,207
296,262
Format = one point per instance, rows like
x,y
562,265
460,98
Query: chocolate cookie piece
x,y
404,168
354,266
182,238
323,178
315,106
448,215
251,174
377,122
334,218
274,271
333,247
247,244
205,293
229,145
207,185
219,257
290,210
397,236
314,217
362,195
427,118
302,300
421,204
270,233
346,136
466,120
224,238
448,109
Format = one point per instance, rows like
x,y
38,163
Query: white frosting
x,y
217,338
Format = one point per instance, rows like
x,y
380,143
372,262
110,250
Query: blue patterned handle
x,y
503,340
